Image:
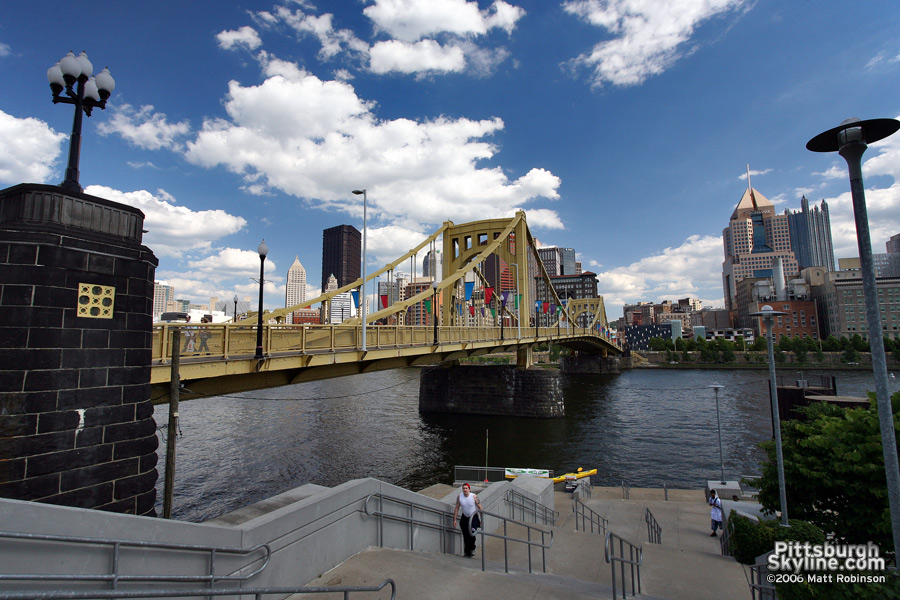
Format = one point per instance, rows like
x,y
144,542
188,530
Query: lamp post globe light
x,y
850,140
362,292
86,92
768,313
716,387
263,250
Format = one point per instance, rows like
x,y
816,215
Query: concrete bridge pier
x,y
491,390
589,363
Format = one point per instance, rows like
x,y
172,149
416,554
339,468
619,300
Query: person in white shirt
x,y
469,503
715,512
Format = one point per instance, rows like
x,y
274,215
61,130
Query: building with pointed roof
x,y
295,287
754,238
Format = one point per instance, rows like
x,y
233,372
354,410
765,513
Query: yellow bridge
x,y
467,318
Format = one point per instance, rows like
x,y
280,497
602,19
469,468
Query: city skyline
x,y
623,132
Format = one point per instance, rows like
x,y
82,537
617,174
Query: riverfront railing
x,y
585,516
760,589
465,474
122,552
523,504
444,517
258,593
634,560
583,488
626,491
654,531
229,340
725,538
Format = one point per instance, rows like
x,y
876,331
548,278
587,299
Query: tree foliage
x,y
834,472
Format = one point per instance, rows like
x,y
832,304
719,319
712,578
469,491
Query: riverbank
x,y
831,361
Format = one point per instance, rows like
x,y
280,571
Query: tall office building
x,y
893,245
295,287
557,261
810,232
341,254
162,295
754,238
433,265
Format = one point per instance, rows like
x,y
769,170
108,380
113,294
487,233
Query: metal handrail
x,y
635,560
116,545
583,488
760,589
587,514
626,491
725,539
445,514
654,530
180,593
516,499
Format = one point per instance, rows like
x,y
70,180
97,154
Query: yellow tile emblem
x,y
96,301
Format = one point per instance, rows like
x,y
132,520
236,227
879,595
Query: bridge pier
x,y
76,296
524,357
580,363
491,390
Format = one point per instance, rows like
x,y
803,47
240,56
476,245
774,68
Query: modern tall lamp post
x,y
716,387
434,287
263,250
850,140
235,308
516,300
363,290
91,92
768,314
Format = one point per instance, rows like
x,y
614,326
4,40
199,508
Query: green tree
x,y
659,344
850,355
759,344
859,344
802,354
831,344
834,472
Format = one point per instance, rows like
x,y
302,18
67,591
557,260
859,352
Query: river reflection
x,y
646,427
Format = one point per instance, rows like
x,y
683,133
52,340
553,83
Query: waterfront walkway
x,y
687,565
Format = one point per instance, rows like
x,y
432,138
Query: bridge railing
x,y
228,340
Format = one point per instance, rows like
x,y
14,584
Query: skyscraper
x,y
341,254
433,265
754,238
810,232
295,287
163,295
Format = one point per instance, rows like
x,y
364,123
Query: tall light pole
x,y
850,140
235,308
91,92
768,313
434,287
363,291
263,250
716,387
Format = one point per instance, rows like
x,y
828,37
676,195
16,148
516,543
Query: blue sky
x,y
622,127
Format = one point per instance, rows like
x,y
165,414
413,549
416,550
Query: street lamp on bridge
x,y
235,307
363,290
434,287
263,250
90,92
850,140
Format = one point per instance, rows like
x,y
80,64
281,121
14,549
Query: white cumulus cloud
x,y
145,128
245,37
411,20
648,36
422,56
28,149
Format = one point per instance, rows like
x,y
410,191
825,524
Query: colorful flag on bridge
x,y
470,287
504,298
384,300
488,292
355,295
472,310
546,307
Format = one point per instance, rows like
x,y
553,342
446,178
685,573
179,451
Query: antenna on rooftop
x,y
750,188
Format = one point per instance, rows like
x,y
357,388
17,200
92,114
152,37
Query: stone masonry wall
x,y
491,390
76,292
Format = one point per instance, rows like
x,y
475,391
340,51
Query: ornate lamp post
x,y
362,292
716,387
263,250
850,140
768,314
90,92
235,308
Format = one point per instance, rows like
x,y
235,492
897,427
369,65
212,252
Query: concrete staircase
x,y
687,565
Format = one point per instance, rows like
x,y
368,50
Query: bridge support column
x,y
524,357
491,390
588,363
76,298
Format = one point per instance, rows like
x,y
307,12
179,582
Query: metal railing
x,y
464,474
115,574
760,589
583,488
227,340
725,538
654,530
626,491
258,593
121,550
586,515
445,516
524,504
634,560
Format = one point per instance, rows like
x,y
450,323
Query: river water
x,y
648,427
